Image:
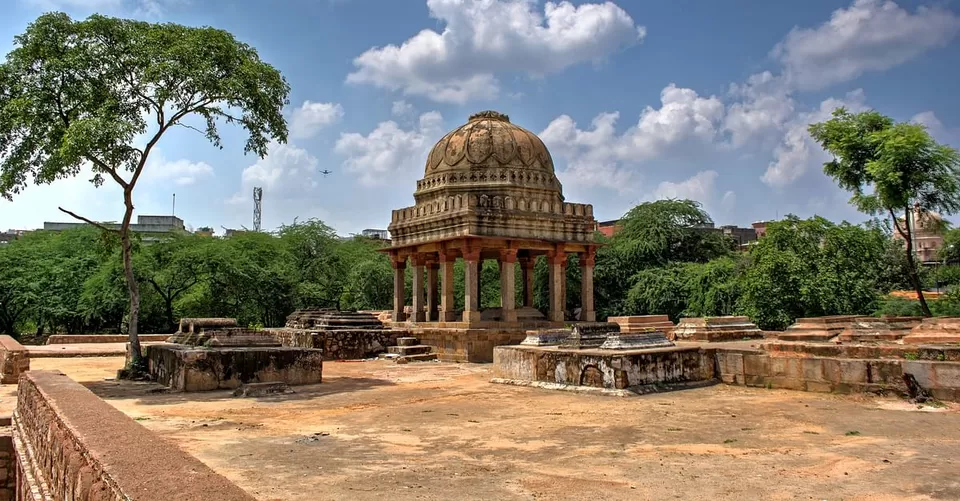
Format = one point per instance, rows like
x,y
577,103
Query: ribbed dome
x,y
488,139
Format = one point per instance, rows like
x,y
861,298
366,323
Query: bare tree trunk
x,y
911,264
136,355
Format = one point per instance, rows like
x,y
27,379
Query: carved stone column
x,y
432,298
448,312
399,267
557,261
419,315
508,290
587,261
526,276
471,285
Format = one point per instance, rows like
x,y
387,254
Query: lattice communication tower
x,y
257,207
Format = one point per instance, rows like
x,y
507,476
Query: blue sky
x,y
636,100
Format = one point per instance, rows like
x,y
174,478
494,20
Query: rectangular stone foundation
x,y
609,369
343,344
188,368
466,345
14,360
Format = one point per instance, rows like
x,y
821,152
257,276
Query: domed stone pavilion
x,y
489,191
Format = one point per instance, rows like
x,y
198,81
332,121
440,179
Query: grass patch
x,y
811,432
853,433
729,440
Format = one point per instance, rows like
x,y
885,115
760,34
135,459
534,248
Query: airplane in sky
x,y
326,172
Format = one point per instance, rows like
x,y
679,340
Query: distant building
x,y
150,228
760,228
608,228
204,231
8,237
376,234
927,235
230,232
743,236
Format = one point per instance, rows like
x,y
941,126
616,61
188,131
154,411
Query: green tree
x,y
891,168
74,93
171,267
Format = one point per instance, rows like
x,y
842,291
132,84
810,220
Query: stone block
x,y
817,328
713,329
636,341
589,335
14,360
407,341
187,368
937,330
545,337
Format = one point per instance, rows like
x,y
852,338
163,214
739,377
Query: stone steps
x,y
409,349
417,349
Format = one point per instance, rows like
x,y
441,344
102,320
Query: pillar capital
x,y
588,258
446,256
527,262
557,258
508,255
398,262
418,259
471,254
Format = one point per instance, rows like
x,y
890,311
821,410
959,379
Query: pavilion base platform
x,y
193,368
473,342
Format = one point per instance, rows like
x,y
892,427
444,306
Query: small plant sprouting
x,y
729,440
910,356
853,433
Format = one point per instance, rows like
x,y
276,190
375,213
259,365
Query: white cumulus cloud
x,y
870,35
181,172
310,117
482,38
389,150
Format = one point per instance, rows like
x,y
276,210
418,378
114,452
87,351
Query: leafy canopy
x,y
83,92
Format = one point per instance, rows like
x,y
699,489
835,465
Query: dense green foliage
x,y
891,168
73,281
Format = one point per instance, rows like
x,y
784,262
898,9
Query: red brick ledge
x,y
72,440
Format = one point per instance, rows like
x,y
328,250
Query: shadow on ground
x,y
149,393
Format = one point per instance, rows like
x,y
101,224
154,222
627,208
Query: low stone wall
x,y
839,375
14,360
619,370
342,344
189,368
70,444
103,338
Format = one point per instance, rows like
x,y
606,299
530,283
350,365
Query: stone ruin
x,y
601,336
212,332
341,335
878,329
715,329
817,328
644,323
943,330
216,353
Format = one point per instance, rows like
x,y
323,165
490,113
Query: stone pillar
x,y
508,290
587,312
419,315
526,276
448,312
432,297
557,261
471,285
399,266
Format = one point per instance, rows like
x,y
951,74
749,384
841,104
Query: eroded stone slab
x,y
589,335
713,329
643,323
878,329
189,368
817,328
545,337
636,341
938,330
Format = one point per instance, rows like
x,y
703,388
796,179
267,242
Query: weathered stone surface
x,y
187,368
72,445
937,330
326,319
340,344
261,389
214,332
603,369
714,329
636,341
878,329
589,335
817,328
545,337
643,323
14,360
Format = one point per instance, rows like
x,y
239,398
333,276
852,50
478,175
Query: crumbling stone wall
x,y
13,360
344,344
103,338
71,445
8,467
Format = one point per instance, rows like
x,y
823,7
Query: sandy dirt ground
x,y
376,430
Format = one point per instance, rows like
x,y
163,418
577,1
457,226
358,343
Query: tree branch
x,y
85,220
109,170
190,127
896,225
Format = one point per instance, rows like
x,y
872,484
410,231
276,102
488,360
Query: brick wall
x,y
72,445
343,344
